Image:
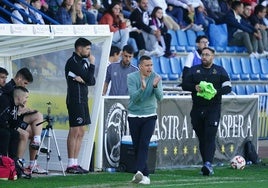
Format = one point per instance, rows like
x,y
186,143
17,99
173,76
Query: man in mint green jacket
x,y
145,89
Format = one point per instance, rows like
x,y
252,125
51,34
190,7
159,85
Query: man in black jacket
x,y
79,73
205,113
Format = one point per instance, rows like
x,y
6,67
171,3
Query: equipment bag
x,y
250,153
7,168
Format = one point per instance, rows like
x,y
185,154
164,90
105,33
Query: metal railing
x,y
263,116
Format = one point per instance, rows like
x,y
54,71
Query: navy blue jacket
x,y
233,25
215,75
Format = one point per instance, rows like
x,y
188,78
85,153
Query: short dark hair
x,y
25,73
200,37
82,42
114,50
236,4
144,57
259,8
129,49
210,49
3,71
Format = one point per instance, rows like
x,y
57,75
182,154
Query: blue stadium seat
x,y
134,61
246,68
256,68
183,59
174,42
260,88
218,36
240,89
157,69
264,65
176,66
217,61
191,37
226,63
266,88
166,69
182,41
198,33
237,69
250,89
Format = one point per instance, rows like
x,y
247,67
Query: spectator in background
x,y
64,13
3,77
265,3
25,17
140,19
78,15
37,4
145,90
194,58
114,56
213,10
117,23
257,20
167,19
239,31
117,73
157,23
53,7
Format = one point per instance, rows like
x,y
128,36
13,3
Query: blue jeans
x,y
141,131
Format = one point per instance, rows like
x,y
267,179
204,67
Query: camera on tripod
x,y
48,132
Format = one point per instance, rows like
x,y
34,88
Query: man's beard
x,y
84,56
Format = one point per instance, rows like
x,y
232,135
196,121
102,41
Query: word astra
x,y
230,126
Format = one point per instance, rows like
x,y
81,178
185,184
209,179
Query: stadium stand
x,y
226,63
176,66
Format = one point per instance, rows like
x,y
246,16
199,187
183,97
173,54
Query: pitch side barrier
x,y
177,142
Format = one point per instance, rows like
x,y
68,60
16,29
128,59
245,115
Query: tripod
x,y
48,132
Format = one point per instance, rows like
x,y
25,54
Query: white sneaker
x,y
254,55
145,180
37,169
137,178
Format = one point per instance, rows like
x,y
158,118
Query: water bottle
x,y
110,170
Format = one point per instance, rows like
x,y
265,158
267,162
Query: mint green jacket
x,y
143,102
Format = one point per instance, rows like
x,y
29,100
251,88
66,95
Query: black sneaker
x,y
73,170
83,170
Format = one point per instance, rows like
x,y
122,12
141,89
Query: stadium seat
x,y
183,59
176,66
260,88
226,63
134,61
218,36
250,89
198,33
246,68
157,68
174,42
217,61
266,88
166,69
182,41
240,89
256,68
191,37
237,69
264,65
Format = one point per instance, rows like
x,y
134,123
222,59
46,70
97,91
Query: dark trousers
x,y
167,39
141,131
9,140
139,39
205,121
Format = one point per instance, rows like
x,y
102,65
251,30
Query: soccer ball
x,y
238,162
